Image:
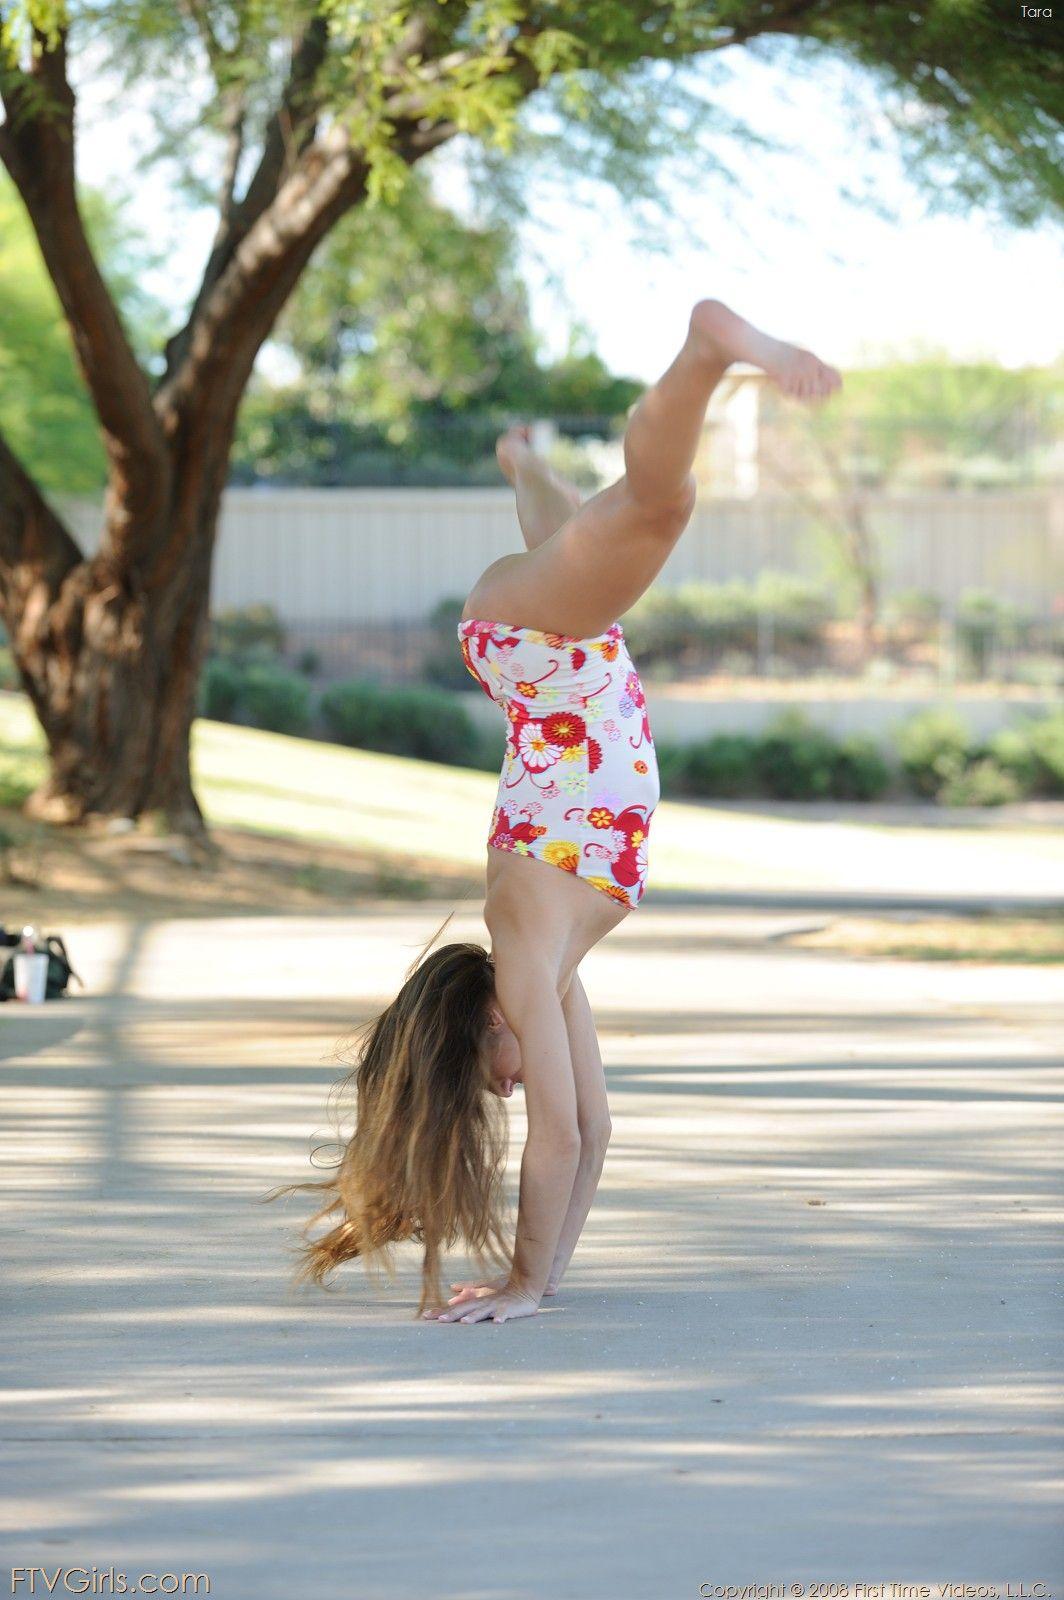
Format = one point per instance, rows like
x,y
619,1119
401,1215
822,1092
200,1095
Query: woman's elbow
x,y
595,1138
557,1140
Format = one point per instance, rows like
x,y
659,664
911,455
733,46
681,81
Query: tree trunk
x,y
862,556
110,652
114,685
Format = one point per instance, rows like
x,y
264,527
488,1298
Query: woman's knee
x,y
664,513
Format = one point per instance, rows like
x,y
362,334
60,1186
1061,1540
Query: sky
x,y
786,245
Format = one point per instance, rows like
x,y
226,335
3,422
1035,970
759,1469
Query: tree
x,y
45,410
413,341
315,108
925,421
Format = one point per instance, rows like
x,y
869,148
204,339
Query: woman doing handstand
x,y
567,861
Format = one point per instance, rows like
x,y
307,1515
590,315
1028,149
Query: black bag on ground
x,y
60,971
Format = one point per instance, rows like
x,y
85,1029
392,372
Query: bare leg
x,y
603,557
665,429
666,426
544,499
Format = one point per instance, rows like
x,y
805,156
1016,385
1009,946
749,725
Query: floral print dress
x,y
579,780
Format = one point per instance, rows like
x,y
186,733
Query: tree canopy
x,y
288,115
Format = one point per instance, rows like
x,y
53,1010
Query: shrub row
x,y
936,758
703,619
791,761
261,693
943,762
427,723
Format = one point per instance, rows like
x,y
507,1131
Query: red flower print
x,y
529,690
565,728
594,755
506,834
640,766
577,657
626,867
600,817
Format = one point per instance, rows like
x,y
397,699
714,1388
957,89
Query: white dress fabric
x,y
579,781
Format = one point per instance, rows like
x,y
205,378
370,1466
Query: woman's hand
x,y
475,1288
488,1301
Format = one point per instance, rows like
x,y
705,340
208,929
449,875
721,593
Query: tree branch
x,y
37,148
240,309
291,129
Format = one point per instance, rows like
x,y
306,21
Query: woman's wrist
x,y
519,1284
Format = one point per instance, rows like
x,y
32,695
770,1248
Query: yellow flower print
x,y
529,690
600,817
573,752
562,853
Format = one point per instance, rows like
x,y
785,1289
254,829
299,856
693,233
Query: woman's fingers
x,y
458,1313
486,1309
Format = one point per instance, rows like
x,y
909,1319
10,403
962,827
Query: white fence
x,y
388,555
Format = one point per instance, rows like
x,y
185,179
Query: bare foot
x,y
514,452
512,447
795,372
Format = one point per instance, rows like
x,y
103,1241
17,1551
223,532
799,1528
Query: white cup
x,y
31,975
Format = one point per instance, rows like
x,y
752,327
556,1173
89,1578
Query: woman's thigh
x,y
589,573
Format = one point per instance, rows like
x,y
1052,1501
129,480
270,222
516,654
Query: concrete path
x,y
808,1337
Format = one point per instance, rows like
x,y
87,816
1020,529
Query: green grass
x,y
426,813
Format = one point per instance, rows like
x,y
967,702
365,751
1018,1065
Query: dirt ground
x,y
70,878
82,876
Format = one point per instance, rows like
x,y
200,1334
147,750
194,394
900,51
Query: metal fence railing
x,y
947,653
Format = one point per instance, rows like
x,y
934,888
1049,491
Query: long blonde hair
x,y
428,1152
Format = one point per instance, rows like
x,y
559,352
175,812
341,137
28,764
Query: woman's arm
x,y
593,1118
527,992
593,1121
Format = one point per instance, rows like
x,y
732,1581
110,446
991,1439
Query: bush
x,y
858,770
273,698
698,622
672,768
797,607
660,627
984,621
426,723
795,760
1047,742
1011,752
724,766
219,692
933,750
249,631
982,783
914,611
443,664
942,763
